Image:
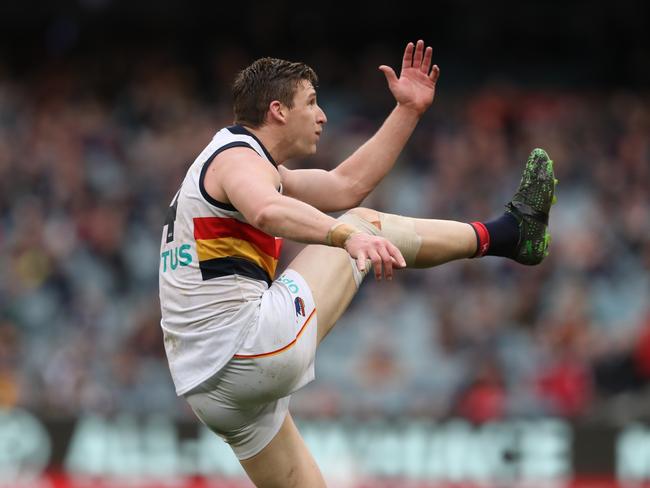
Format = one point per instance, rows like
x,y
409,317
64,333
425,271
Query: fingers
x,y
396,255
435,73
381,253
391,77
407,61
386,255
361,261
419,51
387,261
374,256
426,61
416,56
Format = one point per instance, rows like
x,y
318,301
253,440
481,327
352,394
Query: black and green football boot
x,y
531,206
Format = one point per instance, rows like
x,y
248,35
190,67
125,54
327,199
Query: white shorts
x,y
247,401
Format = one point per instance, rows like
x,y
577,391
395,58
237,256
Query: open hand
x,y
381,252
416,86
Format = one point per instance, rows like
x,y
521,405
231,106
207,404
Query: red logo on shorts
x,y
300,306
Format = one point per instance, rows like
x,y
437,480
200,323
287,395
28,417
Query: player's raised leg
x,y
332,276
520,234
329,273
285,462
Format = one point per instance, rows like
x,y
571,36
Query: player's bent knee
x,y
364,219
397,229
367,214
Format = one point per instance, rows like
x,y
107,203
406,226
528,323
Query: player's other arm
x,y
250,183
347,185
351,181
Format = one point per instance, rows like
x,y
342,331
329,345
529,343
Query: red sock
x,y
482,239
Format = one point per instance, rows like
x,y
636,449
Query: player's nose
x,y
321,118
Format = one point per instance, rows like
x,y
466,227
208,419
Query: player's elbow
x,y
265,218
353,190
357,192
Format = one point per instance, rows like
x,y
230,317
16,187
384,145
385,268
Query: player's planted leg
x,y
285,462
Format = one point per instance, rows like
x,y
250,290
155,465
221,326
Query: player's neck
x,y
272,141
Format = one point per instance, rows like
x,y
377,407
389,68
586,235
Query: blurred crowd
x,y
88,167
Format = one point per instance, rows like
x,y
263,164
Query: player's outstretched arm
x,y
351,181
414,91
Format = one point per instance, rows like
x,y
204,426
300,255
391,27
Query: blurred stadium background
x,y
479,373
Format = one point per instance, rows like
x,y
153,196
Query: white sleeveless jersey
x,y
214,268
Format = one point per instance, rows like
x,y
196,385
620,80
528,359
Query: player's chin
x,y
307,147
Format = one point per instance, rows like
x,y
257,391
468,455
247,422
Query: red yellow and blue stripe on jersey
x,y
226,246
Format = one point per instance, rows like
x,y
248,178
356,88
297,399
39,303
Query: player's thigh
x,y
328,272
285,462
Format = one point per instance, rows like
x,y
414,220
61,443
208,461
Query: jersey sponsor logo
x,y
300,306
289,283
175,257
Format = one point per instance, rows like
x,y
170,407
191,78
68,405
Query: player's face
x,y
305,120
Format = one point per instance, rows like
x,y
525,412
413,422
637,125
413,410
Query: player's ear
x,y
277,111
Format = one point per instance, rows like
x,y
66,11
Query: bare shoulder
x,y
237,164
237,157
